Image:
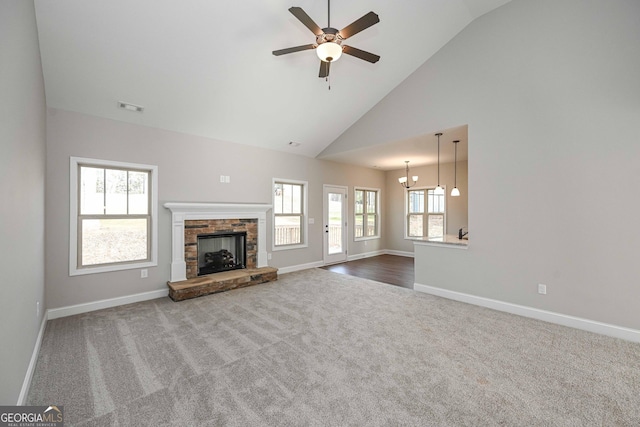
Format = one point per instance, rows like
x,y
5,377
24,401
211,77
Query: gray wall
x,y
189,170
551,94
22,173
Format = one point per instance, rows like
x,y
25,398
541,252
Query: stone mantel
x,y
180,212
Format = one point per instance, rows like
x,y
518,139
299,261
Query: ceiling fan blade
x,y
306,20
324,69
362,54
358,25
293,49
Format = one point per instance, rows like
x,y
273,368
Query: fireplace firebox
x,y
221,252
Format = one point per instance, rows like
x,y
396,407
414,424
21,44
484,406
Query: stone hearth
x,y
220,282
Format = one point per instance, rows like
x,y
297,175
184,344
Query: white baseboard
x,y
299,267
26,384
365,255
316,264
380,252
398,253
535,313
71,310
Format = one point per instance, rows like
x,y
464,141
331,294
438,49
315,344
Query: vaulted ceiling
x,y
205,67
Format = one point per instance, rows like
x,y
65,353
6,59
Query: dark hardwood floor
x,y
391,269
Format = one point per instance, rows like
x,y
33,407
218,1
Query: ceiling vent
x,y
130,107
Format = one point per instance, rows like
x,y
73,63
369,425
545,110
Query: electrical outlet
x,y
542,289
144,273
38,309
268,255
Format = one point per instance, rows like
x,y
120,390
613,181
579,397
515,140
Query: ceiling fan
x,y
329,40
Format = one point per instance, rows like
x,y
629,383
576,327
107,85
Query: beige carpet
x,y
318,348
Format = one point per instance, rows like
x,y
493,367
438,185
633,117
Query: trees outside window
x,y
113,216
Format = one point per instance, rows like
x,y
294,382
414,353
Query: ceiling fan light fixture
x,y
329,51
328,45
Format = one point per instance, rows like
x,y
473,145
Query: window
x,y
367,207
425,213
289,213
113,216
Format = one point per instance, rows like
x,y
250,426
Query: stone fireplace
x,y
227,221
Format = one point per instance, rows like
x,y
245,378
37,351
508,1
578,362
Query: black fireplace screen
x,y
221,252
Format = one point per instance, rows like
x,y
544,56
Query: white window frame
x,y
426,213
74,183
304,221
377,214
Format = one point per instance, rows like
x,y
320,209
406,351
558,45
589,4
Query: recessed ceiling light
x,y
130,107
294,144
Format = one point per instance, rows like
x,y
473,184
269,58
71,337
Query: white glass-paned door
x,y
335,224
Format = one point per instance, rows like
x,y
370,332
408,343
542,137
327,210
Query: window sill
x,y
359,239
286,248
110,268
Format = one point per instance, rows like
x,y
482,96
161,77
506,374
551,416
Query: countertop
x,y
447,240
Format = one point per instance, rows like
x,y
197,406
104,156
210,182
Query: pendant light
x,y
455,192
439,190
404,180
